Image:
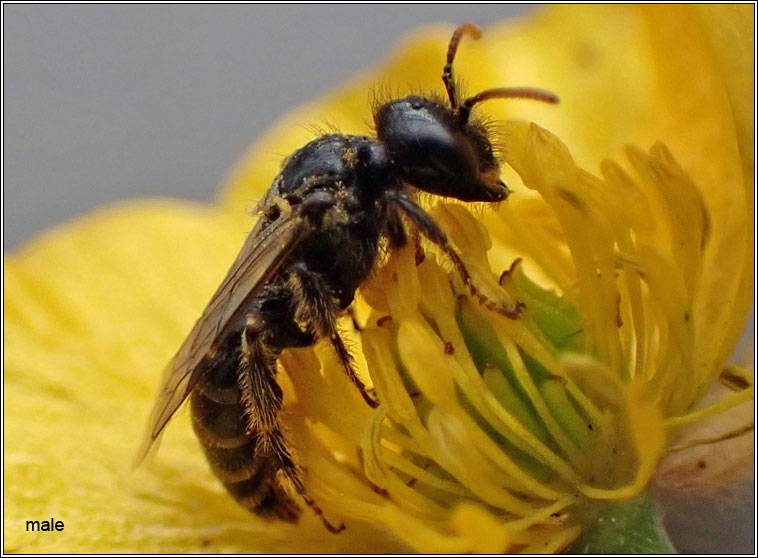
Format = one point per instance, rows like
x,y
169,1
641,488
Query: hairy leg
x,y
315,305
262,398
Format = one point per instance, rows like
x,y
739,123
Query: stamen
x,y
737,432
727,402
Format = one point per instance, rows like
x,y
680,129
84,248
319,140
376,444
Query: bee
x,y
321,226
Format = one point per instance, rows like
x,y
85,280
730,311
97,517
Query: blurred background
x,y
113,102
105,103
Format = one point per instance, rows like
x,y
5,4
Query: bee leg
x,y
314,304
347,363
396,231
262,398
431,230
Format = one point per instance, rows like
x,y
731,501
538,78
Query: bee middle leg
x,y
315,305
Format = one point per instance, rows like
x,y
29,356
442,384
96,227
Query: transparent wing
x,y
262,255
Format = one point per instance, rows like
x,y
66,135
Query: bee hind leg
x,y
315,305
262,399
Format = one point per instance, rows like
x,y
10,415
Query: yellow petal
x,y
95,309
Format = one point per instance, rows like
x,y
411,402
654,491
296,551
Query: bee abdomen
x,y
219,421
218,424
234,465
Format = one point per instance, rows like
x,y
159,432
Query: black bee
x,y
321,224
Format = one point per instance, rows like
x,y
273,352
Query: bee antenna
x,y
447,72
505,93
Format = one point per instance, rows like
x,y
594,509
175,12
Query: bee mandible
x,y
318,237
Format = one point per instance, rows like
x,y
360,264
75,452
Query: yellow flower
x,y
494,434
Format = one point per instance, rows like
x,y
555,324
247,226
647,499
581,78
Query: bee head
x,y
430,147
433,146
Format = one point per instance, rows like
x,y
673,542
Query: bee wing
x,y
262,255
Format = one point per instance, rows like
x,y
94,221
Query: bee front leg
x,y
431,230
315,305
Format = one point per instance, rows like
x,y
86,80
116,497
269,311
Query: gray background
x,y
112,102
